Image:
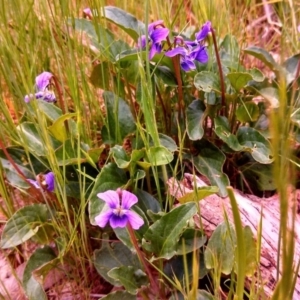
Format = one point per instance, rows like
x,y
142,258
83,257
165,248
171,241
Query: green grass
x,y
36,36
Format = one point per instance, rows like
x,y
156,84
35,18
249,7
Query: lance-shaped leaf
x,y
209,162
195,115
33,288
114,255
290,66
120,121
24,224
162,237
253,142
124,20
110,178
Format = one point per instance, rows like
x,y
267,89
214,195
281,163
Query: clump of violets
x,y
118,214
188,51
157,33
191,51
42,83
44,181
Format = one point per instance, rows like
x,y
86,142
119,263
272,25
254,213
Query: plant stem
x,y
223,111
143,261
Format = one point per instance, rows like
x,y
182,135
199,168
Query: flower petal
x,y
34,183
152,25
134,219
202,34
49,178
155,48
141,43
128,199
200,54
111,198
176,51
159,35
43,80
118,221
187,64
29,97
102,219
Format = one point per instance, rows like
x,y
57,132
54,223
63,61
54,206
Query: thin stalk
x,y
223,111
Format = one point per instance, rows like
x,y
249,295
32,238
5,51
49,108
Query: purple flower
x,y
88,13
186,61
203,33
42,82
118,214
188,54
156,35
46,182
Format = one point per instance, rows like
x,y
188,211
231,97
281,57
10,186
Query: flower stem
x,y
142,259
223,111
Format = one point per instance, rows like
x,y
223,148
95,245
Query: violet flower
x,y
119,214
88,13
201,35
42,82
156,35
188,54
46,182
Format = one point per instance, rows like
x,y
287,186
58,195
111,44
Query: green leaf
x,y
30,136
256,74
222,130
263,56
209,162
253,142
190,240
251,247
58,128
220,251
101,39
125,21
112,256
207,81
159,156
290,66
67,154
195,115
119,295
34,289
198,194
167,142
204,295
271,95
129,277
259,176
166,75
147,202
99,77
110,178
230,52
239,80
247,112
120,156
162,237
51,111
24,224
120,121
136,54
